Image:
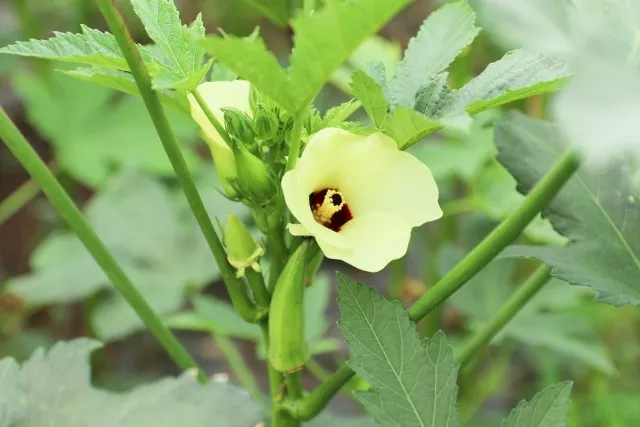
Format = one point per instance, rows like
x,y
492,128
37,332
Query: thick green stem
x,y
537,280
17,200
544,191
63,204
294,392
235,287
237,364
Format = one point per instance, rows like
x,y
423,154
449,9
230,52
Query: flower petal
x,y
376,239
218,95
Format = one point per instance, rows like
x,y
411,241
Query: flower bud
x,y
242,250
238,126
266,122
288,350
255,180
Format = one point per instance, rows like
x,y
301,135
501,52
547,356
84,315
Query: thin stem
x,y
544,191
258,287
235,288
222,131
537,280
295,142
63,204
237,364
17,200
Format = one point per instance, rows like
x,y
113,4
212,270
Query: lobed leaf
x,y
91,47
323,41
547,409
53,388
519,74
440,40
598,210
412,383
177,47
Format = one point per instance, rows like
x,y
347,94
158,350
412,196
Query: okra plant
x,y
327,186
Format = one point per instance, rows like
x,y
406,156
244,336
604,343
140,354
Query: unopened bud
x,y
266,122
255,180
242,251
239,126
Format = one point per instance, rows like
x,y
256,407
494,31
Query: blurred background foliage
x,y
105,150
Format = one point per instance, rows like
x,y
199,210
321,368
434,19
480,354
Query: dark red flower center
x,y
330,208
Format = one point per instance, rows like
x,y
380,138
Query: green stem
x,y
537,280
235,287
544,191
63,204
237,364
17,200
294,385
277,246
222,131
295,142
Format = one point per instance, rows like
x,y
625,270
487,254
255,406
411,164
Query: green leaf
x,y
131,215
407,126
178,49
440,40
323,41
124,82
413,383
547,409
517,75
92,47
54,388
598,210
433,97
370,94
249,58
93,135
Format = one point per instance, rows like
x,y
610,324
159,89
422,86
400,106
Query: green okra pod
x,y
288,350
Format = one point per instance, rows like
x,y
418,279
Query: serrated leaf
x,y
178,49
519,74
547,409
123,82
91,47
598,210
249,58
407,126
323,41
371,95
434,96
440,40
413,383
54,389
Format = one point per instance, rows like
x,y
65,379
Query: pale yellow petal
x,y
376,238
218,95
298,230
384,178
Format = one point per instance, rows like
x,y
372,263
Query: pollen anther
x,y
323,212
